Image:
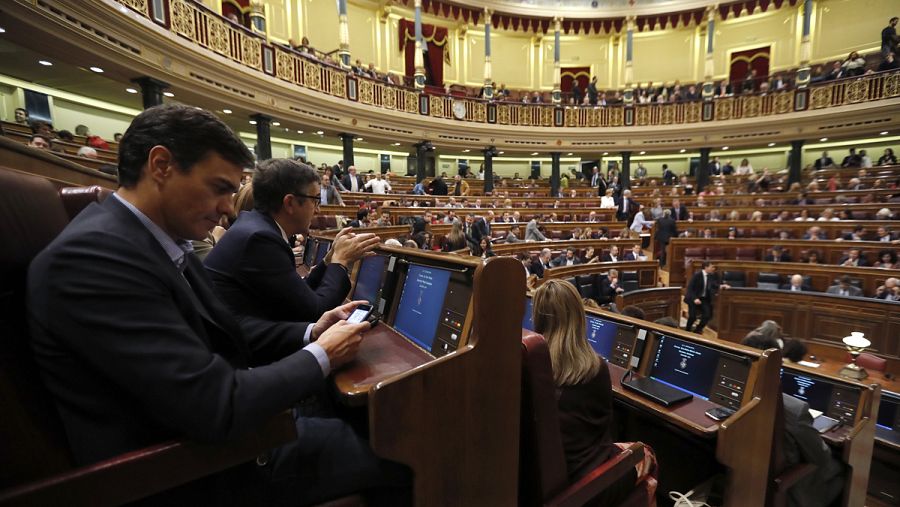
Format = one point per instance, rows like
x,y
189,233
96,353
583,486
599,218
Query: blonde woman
x,y
456,240
607,201
584,391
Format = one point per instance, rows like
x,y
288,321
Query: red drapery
x,y
436,39
752,59
239,8
570,75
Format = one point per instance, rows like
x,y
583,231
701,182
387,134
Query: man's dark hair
x,y
23,110
362,214
65,135
40,136
188,132
845,280
794,349
634,312
277,177
36,126
705,264
895,18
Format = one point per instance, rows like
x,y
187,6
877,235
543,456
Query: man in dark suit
x,y
352,181
136,348
714,167
626,207
568,259
804,444
607,287
701,290
438,186
778,255
611,256
635,254
852,159
252,266
679,211
853,258
542,263
666,229
824,162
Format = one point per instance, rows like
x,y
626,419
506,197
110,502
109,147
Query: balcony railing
x,y
204,27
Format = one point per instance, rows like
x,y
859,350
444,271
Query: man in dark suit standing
x,y
438,186
352,181
824,162
626,207
252,266
136,348
666,229
679,211
714,167
701,290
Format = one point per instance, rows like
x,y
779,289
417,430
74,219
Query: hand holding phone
x,y
360,314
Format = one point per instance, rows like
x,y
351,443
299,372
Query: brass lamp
x,y
856,343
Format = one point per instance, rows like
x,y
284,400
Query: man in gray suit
x,y
532,233
843,288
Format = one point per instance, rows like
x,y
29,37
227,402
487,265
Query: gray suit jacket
x,y
532,233
836,289
804,445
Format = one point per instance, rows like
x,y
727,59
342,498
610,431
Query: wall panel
x,y
776,28
842,26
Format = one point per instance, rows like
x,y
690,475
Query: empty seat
x,y
735,278
629,280
586,285
716,252
768,281
692,254
747,254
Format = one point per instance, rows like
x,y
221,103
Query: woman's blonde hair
x,y
558,314
456,234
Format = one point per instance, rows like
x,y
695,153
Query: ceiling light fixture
x,y
533,154
2,30
883,133
724,148
226,111
568,154
682,150
358,139
771,144
395,144
252,122
643,152
169,94
299,131
98,70
823,139
276,124
130,90
320,132
466,150
499,153
45,63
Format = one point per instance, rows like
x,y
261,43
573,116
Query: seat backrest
x,y
715,252
735,278
871,362
585,285
542,461
75,199
747,254
768,280
32,441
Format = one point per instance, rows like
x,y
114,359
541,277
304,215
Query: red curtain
x,y
570,75
743,61
239,8
435,39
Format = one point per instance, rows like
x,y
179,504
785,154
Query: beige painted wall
x,y
67,114
526,60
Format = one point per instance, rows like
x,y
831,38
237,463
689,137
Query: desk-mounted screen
x,y
421,301
527,322
324,246
370,278
705,372
889,412
835,400
611,340
309,252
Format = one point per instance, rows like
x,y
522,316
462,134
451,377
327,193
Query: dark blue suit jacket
x,y
136,353
252,268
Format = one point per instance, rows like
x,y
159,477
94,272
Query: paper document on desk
x,y
814,413
808,364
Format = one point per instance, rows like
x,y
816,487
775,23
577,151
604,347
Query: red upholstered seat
x,y
870,361
692,254
715,253
75,199
542,462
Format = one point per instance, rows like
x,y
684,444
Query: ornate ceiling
x,y
589,9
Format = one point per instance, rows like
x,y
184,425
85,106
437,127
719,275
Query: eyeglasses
x,y
315,198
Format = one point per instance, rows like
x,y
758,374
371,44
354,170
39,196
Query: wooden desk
x,y
460,410
63,173
830,251
657,302
823,320
647,271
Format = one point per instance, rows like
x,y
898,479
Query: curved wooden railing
x,y
209,30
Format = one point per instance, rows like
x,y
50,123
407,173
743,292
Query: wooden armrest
x,y
600,478
792,475
151,470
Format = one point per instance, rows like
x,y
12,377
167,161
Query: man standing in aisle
x,y
700,294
